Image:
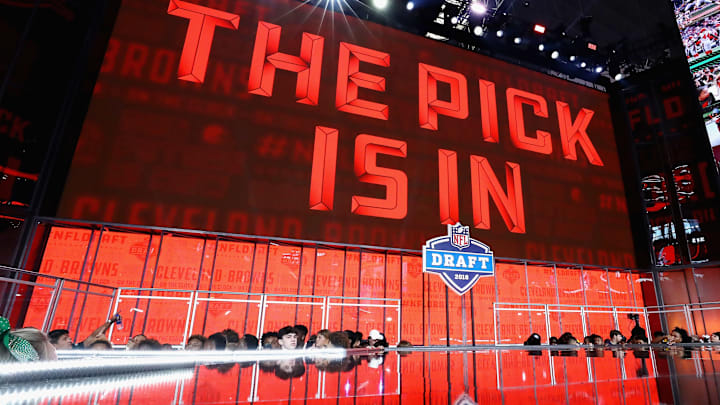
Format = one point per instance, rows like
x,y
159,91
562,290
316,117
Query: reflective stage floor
x,y
670,375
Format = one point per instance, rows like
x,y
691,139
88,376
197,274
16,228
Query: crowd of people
x,y
30,344
616,338
287,338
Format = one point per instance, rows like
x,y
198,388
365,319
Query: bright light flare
x,y
409,6
380,4
478,8
540,29
478,31
555,54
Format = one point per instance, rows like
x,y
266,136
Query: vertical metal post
x,y
194,313
399,311
115,309
495,324
52,305
584,322
261,315
547,323
615,318
324,320
191,307
688,319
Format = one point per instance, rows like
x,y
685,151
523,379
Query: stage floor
x,y
488,375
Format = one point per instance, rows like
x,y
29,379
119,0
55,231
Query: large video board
x,y
281,119
699,22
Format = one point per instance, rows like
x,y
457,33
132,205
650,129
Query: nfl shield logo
x,y
460,236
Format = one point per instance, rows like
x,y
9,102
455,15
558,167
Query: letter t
x,y
199,36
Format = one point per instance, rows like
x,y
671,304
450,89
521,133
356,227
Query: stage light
x,y
380,4
572,58
500,33
478,30
540,29
410,5
454,20
541,47
599,69
555,54
618,76
592,46
517,40
583,64
478,8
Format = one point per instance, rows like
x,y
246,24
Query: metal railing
x,y
582,310
191,297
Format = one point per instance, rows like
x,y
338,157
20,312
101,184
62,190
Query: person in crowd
x,y
638,333
149,344
195,342
100,344
60,338
232,338
26,344
249,342
167,347
588,340
216,341
532,340
134,341
679,335
322,339
567,339
638,340
302,332
339,340
377,339
616,338
287,338
553,340
406,344
269,340
715,337
353,336
659,337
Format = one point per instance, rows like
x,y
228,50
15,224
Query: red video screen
x,y
281,119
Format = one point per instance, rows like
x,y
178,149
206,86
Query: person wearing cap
x,y
26,344
375,339
287,338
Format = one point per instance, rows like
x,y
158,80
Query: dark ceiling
x,y
631,34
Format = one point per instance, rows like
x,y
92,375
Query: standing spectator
x,y
322,340
195,342
269,340
134,341
60,338
232,338
715,337
616,338
287,338
339,340
216,341
302,332
376,339
249,342
26,344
